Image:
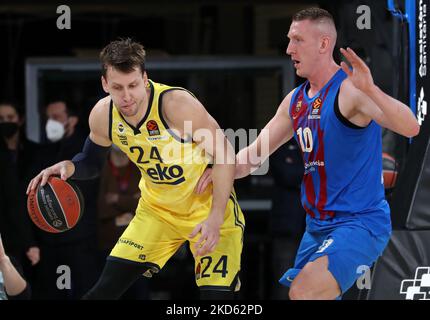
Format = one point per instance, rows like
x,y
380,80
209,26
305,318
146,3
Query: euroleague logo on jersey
x,y
316,105
152,128
316,109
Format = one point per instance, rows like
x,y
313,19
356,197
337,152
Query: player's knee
x,y
298,292
309,289
302,288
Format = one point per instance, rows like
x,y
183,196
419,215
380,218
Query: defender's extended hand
x,y
360,74
204,181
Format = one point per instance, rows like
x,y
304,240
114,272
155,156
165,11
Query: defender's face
x,y
127,90
303,47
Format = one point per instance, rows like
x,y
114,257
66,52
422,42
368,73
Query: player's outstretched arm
x,y
88,163
371,101
277,132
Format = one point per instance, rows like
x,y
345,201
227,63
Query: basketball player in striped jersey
x,y
336,117
170,136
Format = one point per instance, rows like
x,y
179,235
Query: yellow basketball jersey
x,y
170,167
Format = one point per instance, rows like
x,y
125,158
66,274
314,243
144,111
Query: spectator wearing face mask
x,y
62,127
15,225
76,248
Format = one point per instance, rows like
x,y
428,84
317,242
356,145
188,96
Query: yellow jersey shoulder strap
x,y
156,108
159,91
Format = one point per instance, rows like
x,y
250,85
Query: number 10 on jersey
x,y
305,139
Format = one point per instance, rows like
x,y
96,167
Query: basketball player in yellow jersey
x,y
170,136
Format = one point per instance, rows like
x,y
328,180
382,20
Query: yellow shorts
x,y
152,238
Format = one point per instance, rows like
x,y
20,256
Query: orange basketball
x,y
389,170
55,207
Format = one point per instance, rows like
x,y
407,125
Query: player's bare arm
x,y
363,101
99,123
277,132
99,136
179,107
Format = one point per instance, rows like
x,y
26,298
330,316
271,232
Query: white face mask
x,y
54,130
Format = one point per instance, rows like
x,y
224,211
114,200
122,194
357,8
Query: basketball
x,y
55,207
389,169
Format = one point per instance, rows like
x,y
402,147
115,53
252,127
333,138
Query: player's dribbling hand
x,y
210,233
360,75
64,169
204,181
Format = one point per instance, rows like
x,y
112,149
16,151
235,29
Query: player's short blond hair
x,y
314,14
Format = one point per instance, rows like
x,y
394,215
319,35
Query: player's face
x,y
127,90
303,47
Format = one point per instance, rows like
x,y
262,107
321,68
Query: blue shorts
x,y
349,245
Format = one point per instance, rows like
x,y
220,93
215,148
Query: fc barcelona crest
x,y
298,106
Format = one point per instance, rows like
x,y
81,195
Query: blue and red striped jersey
x,y
343,163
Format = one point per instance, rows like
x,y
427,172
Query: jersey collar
x,y
136,130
